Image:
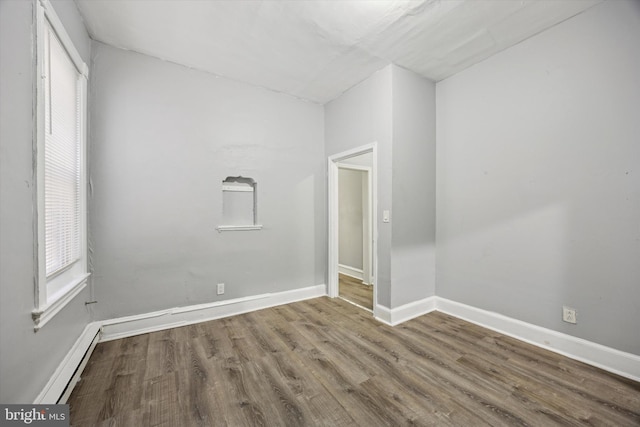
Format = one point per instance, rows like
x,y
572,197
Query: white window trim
x,y
47,306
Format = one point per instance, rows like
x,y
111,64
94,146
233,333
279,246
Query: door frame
x,y
332,229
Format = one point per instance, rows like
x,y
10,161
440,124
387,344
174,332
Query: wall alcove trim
x,y
239,204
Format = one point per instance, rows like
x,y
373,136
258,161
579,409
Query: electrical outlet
x,y
220,288
569,314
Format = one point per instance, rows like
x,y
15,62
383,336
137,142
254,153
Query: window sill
x,y
42,315
221,228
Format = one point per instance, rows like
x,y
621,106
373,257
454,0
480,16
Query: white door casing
x,y
332,174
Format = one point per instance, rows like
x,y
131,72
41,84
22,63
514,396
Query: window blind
x,y
61,157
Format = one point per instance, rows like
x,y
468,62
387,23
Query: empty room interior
x,y
321,212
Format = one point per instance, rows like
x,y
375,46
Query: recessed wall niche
x,y
239,204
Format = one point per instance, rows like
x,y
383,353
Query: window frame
x,y
52,294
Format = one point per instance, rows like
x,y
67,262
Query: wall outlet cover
x,y
220,288
569,314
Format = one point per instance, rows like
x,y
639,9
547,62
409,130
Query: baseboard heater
x,y
79,369
61,384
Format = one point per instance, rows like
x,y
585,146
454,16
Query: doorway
x,y
354,231
359,164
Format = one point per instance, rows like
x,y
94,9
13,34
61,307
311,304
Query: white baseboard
x,y
609,359
382,314
356,273
180,316
61,383
405,312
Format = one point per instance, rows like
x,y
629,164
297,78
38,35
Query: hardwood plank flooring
x,y
324,362
355,291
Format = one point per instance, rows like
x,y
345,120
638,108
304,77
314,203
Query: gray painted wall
x,y
538,179
362,115
396,109
27,359
163,139
414,188
350,220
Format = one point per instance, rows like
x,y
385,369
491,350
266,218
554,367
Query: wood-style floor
x,y
353,290
327,362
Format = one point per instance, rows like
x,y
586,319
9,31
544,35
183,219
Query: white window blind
x,y
61,156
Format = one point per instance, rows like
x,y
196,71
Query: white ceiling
x,y
316,50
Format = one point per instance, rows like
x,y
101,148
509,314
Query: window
x,y
61,177
239,196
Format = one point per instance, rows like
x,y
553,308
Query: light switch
x,y
385,216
